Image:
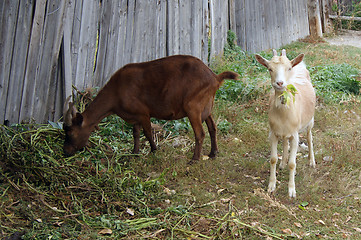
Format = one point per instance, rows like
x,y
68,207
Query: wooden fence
x,y
265,24
49,45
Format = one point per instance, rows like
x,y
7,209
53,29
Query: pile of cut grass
x,y
52,195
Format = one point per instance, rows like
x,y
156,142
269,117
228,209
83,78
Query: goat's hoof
x,y
292,193
193,161
212,154
271,188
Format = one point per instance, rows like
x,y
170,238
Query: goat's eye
x,y
289,69
270,70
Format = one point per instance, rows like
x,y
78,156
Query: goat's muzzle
x,y
69,150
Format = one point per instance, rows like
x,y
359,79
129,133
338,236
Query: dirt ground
x,y
346,37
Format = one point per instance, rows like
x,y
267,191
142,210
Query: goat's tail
x,y
227,75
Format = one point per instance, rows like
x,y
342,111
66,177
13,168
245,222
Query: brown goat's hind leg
x,y
148,134
212,129
199,136
136,137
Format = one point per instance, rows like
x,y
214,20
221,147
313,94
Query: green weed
x,y
336,82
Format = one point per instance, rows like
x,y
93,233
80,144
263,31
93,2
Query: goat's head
x,y
280,68
76,136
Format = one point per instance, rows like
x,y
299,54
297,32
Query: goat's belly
x,y
169,115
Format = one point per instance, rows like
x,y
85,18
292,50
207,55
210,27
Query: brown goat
x,y
168,88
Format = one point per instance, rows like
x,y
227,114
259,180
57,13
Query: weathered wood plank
x,y
141,24
205,31
57,101
212,19
267,25
18,61
185,16
31,70
257,23
120,59
173,42
75,37
43,107
272,34
104,19
112,37
291,19
250,36
161,29
195,34
130,31
67,50
345,18
241,23
87,42
281,23
7,35
232,15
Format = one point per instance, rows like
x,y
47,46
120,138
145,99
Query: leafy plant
x,y
176,127
289,93
224,126
336,82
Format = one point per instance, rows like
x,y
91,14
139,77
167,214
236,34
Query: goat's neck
x,y
97,110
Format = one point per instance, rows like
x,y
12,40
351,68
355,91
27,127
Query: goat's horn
x,y
68,111
284,52
66,105
274,52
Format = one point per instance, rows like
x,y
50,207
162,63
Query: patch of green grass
x,y
336,82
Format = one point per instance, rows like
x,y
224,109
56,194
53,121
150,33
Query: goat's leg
x,y
273,162
311,155
195,120
292,165
212,129
136,137
147,128
284,161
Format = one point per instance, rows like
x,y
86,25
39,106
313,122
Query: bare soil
x,y
346,37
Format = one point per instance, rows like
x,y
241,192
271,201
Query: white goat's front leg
x,y
273,162
311,155
292,165
284,161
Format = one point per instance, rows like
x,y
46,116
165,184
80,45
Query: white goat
x,y
289,117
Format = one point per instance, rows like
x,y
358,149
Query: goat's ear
x,y
78,119
261,60
297,59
